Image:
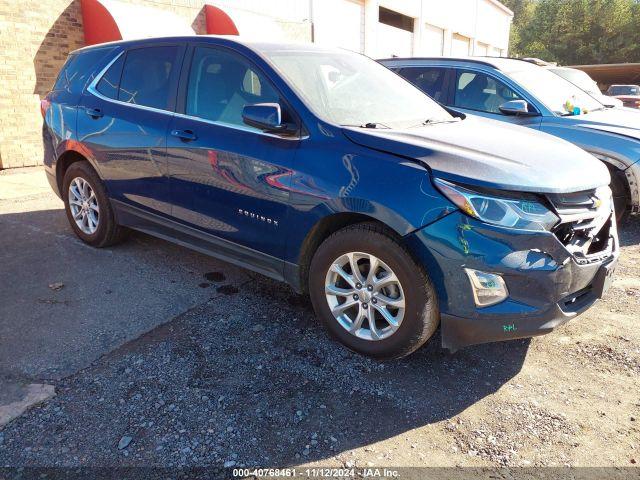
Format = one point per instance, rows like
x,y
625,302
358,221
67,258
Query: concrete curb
x,y
34,394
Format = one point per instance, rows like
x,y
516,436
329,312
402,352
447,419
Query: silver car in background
x,y
519,92
583,81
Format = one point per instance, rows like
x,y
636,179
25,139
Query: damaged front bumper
x,y
548,284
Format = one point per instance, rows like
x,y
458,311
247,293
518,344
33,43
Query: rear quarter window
x,y
79,70
110,81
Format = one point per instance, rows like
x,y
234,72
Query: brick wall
x,y
35,38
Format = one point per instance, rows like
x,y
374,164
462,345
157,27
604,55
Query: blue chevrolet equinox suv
x,y
324,169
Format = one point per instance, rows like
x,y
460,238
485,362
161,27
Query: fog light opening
x,y
488,288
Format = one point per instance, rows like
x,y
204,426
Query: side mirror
x,y
517,107
265,116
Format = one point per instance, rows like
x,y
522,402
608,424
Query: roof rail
x,y
446,59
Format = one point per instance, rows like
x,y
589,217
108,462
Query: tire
x,y
620,193
100,229
419,318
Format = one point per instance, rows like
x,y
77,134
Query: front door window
x,y
221,84
481,92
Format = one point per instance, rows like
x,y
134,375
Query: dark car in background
x,y
629,94
522,93
322,168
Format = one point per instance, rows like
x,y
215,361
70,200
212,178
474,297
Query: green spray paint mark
x,y
509,328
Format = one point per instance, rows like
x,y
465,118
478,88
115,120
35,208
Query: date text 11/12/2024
x,y
336,473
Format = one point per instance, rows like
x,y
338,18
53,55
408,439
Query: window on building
x,y
146,76
110,81
79,69
395,19
430,80
481,92
221,84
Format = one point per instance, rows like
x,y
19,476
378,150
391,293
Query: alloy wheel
x,y
84,205
365,296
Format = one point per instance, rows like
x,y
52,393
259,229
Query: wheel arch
x,y
63,163
322,230
75,152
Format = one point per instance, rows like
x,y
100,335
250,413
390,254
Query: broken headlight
x,y
522,213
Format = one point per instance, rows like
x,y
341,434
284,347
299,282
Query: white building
x,y
385,28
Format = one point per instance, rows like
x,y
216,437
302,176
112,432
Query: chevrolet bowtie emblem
x,y
596,202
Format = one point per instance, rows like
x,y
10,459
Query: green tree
x,y
576,31
523,11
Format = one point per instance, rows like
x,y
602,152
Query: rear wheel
x,y
88,208
370,293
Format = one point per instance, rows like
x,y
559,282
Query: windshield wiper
x,y
368,125
435,121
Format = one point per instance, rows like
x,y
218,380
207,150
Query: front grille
x,y
587,223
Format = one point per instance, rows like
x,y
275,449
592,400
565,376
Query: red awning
x,y
236,21
109,20
218,22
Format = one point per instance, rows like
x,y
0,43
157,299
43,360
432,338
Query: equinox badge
x,y
255,216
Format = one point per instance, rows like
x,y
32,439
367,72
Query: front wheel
x,y
370,293
620,194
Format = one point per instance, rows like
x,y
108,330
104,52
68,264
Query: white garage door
x,y
482,50
393,42
496,52
339,23
459,45
432,40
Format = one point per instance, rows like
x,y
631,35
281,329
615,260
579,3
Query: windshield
x,y
559,95
350,89
625,90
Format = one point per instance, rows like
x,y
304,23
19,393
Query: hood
x,y
608,101
488,153
621,121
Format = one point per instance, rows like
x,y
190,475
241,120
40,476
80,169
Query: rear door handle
x,y
93,112
184,135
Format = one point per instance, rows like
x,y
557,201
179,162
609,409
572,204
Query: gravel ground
x,y
248,378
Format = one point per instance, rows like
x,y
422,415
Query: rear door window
x,y
431,80
78,70
147,76
481,92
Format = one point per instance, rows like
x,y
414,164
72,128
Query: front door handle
x,y
184,135
94,112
